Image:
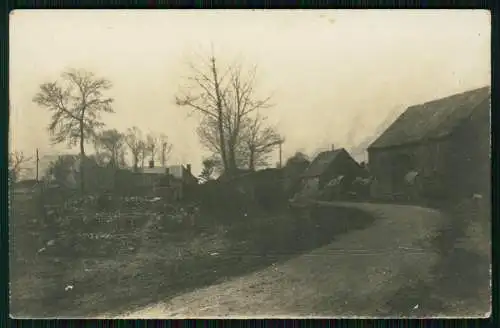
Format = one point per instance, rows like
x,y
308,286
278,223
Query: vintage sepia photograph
x,y
249,164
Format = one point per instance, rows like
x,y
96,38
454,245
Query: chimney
x,y
151,164
332,147
188,168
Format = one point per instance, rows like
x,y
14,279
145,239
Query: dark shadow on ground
x,y
253,245
459,275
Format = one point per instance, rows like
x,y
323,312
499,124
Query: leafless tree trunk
x,y
166,148
224,101
258,141
136,143
220,113
158,144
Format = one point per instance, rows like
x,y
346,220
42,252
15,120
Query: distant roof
x,y
321,163
434,119
154,170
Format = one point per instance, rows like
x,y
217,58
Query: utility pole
x,y
281,152
164,148
37,161
280,155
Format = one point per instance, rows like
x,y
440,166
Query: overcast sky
x,y
335,75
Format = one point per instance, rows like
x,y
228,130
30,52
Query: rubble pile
x,y
83,228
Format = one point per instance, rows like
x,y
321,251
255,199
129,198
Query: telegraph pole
x,y
37,161
281,152
164,148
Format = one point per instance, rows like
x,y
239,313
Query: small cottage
x,y
333,172
438,149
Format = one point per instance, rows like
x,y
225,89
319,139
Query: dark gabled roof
x,y
432,120
321,163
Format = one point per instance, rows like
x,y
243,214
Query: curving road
x,y
362,274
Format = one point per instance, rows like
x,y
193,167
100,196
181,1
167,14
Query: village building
x,y
333,172
171,181
437,149
181,180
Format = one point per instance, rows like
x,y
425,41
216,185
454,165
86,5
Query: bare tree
x,y
16,161
136,143
158,146
166,148
76,103
258,140
223,100
112,144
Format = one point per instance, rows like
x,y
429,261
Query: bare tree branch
x,y
76,103
16,161
224,102
158,147
136,143
258,141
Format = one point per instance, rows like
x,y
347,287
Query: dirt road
x,y
358,274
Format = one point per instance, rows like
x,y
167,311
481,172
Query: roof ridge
x,y
460,120
432,119
450,96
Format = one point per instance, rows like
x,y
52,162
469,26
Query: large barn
x,y
437,149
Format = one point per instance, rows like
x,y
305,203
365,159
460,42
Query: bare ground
x,y
410,263
369,260
149,266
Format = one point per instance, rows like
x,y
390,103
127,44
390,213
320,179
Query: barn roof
x,y
321,163
433,119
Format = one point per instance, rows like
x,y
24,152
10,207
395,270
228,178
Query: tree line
x,y
233,125
77,101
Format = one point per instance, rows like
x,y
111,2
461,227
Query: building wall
x,y
345,165
453,167
96,178
469,160
388,167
